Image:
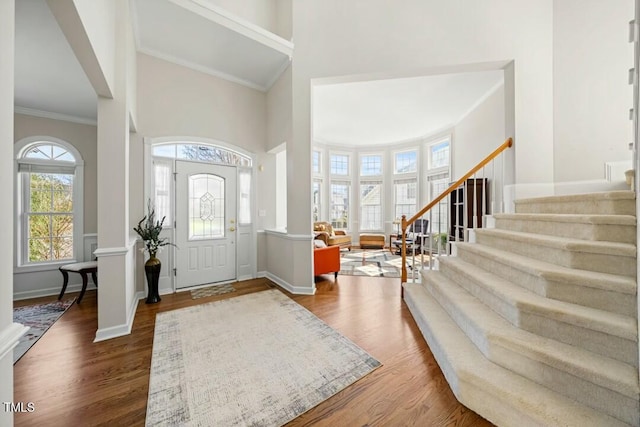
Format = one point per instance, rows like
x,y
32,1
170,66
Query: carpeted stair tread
x,y
613,228
592,279
613,202
576,245
606,257
597,381
496,393
524,300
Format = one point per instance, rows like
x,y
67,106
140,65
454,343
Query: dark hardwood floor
x,y
73,381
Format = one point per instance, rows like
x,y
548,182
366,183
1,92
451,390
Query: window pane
x,y
162,191
317,185
406,162
244,207
49,152
316,162
39,250
371,165
405,198
339,214
62,248
370,205
339,164
166,150
206,206
62,226
187,151
439,155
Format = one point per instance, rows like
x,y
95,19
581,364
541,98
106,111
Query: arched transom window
x,y
48,197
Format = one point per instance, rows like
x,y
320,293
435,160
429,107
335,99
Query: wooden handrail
x,y
406,222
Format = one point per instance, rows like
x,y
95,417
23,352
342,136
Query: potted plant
x,y
149,229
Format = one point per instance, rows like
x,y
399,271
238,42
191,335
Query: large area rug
x,y
258,359
374,263
39,318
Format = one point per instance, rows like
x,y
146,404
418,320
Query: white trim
x,y
284,235
54,116
48,266
9,338
105,252
120,330
297,290
203,69
53,291
176,139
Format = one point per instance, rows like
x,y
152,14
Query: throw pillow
x,y
319,244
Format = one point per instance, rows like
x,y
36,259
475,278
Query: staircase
x,y
536,323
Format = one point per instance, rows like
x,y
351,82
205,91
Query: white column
x,y
116,290
9,334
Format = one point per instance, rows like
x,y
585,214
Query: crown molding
x,y
54,116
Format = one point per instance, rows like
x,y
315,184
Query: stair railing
x,y
463,215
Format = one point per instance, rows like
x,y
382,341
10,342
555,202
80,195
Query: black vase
x,y
152,270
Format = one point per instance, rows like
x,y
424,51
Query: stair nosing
x,y
586,219
564,243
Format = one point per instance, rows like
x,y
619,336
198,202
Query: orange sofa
x,y
326,260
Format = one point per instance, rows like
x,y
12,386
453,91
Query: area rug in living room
x,y
39,318
374,263
258,359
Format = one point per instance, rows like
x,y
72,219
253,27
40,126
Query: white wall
x,y
479,133
592,98
177,101
7,340
259,12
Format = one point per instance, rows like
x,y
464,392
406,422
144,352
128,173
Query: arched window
x,y
49,179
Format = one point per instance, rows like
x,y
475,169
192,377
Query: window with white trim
x,y
339,204
317,199
371,165
405,162
437,175
49,180
405,197
339,164
371,205
316,163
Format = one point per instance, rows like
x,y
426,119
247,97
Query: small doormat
x,y
39,318
212,290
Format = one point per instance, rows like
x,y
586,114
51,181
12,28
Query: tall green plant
x,y
149,230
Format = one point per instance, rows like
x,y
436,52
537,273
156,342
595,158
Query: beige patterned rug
x,y
258,359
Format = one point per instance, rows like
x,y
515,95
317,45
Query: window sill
x,y
41,267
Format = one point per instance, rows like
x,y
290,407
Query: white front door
x,y
205,223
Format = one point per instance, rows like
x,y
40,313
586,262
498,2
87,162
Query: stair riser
x,y
604,263
613,302
593,232
598,342
603,399
587,207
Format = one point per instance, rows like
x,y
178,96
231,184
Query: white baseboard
x,y
289,287
120,330
9,338
51,291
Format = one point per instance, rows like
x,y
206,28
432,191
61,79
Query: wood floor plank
x,y
73,381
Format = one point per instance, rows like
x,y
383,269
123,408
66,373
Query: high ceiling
x,y
49,80
395,110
